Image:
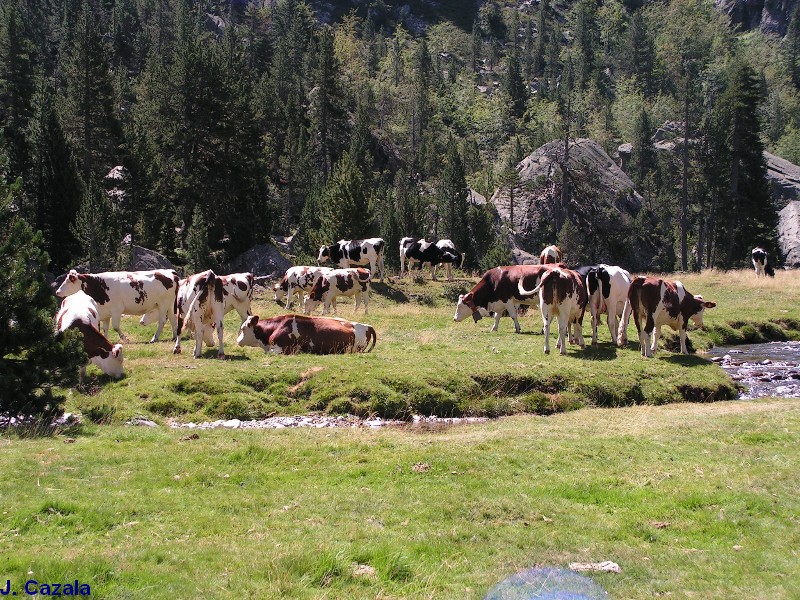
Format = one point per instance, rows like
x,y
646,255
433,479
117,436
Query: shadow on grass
x,y
685,360
603,351
389,292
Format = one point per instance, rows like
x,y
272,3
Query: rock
x,y
789,233
606,566
145,259
263,260
142,422
770,16
232,424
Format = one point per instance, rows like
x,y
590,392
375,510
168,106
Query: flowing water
x,y
771,369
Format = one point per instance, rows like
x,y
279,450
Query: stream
x,y
770,369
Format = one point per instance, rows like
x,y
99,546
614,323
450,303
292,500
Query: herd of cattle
x,y
199,303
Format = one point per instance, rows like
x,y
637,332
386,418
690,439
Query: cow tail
x,y
187,315
371,332
634,288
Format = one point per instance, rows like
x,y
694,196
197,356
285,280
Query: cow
x,y
449,245
206,312
339,282
550,256
761,263
297,281
562,294
498,292
79,311
347,253
237,292
655,302
607,288
127,292
289,334
425,252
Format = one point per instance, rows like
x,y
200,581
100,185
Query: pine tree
x,y
33,361
643,156
95,228
197,248
453,199
475,47
515,87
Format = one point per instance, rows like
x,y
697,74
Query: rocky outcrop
x,y
600,213
264,260
145,259
784,179
770,16
789,234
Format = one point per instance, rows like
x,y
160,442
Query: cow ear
x,y
709,304
251,321
461,297
73,275
116,351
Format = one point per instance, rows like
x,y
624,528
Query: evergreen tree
x,y
197,248
643,156
33,361
515,87
791,46
639,57
95,229
475,47
344,203
453,199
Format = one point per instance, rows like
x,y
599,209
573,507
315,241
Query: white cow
x,y
237,291
607,286
339,282
79,311
297,281
127,292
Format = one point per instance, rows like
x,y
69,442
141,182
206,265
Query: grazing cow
x,y
429,253
127,292
206,312
79,311
656,302
498,292
237,292
761,263
347,253
289,334
449,245
562,294
339,282
607,288
550,255
297,281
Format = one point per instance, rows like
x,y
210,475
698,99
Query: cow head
x,y
281,288
70,285
768,270
247,335
465,308
324,255
111,363
700,307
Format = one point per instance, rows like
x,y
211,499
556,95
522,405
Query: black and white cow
x,y
349,253
761,263
607,287
427,253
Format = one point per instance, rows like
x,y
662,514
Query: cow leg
x,y
104,326
654,345
612,321
683,338
496,320
563,333
220,331
546,323
366,302
380,264
115,325
595,323
289,293
198,341
512,312
162,317
449,270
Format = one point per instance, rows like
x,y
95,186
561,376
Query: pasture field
x,y
691,500
426,363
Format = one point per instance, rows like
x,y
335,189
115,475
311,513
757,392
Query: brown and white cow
x,y
297,281
339,282
550,255
79,311
562,295
289,334
127,292
498,292
350,253
237,292
655,302
206,312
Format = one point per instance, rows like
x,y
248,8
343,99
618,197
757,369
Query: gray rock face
x,y
770,16
145,259
789,234
784,179
603,200
263,260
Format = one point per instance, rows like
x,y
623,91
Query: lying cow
x,y
607,287
205,313
127,292
562,295
428,253
237,293
79,311
289,334
498,292
761,263
349,253
339,282
656,302
550,255
297,281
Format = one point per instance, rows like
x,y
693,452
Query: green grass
x,y
426,363
142,513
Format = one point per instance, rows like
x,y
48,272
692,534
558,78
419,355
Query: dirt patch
x,y
305,376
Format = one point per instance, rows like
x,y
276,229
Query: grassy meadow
x,y
424,363
690,499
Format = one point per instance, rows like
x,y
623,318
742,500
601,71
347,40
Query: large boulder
x,y
145,259
784,179
264,260
601,212
789,234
